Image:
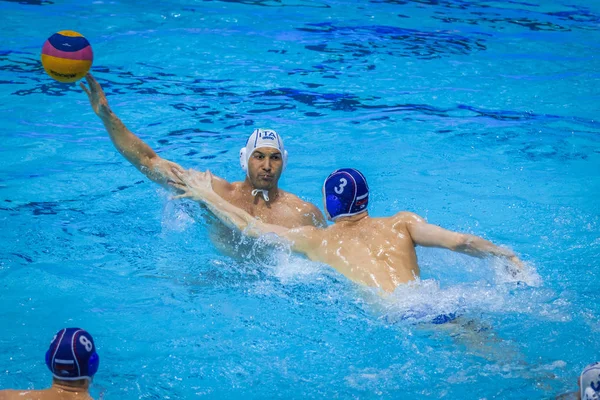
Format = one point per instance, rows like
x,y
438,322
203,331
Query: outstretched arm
x,y
198,187
429,235
129,145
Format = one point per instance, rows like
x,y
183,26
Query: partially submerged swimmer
x,y
589,385
377,252
589,382
73,361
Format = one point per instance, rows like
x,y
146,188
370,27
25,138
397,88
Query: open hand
x,y
516,262
196,185
96,96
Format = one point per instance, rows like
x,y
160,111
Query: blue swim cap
x,y
345,193
72,355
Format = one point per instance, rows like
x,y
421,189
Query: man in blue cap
x,y
73,361
377,252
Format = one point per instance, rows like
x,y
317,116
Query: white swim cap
x,y
262,138
590,382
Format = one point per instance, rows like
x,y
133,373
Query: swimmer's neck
x,y
273,193
80,385
352,219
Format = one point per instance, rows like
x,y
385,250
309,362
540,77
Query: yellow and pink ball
x,y
67,56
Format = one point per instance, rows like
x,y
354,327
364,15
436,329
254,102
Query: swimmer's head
x,y
262,138
589,382
72,355
345,193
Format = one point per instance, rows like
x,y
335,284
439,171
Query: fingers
x,y
185,176
176,185
516,267
181,196
192,178
85,89
179,173
90,79
94,85
519,264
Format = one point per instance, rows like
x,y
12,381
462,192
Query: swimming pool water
x,y
480,116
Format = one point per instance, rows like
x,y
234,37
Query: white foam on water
x,y
176,215
501,288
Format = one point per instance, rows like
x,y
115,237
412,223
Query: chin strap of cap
x,y
265,193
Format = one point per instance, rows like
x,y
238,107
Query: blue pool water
x,y
481,116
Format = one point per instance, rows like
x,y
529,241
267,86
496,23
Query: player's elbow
x,y
150,160
462,243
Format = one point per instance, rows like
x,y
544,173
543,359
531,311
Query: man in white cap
x,y
263,158
589,382
589,385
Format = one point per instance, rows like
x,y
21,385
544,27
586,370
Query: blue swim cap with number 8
x,y
72,355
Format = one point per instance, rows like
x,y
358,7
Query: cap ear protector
x,y
93,364
243,159
332,203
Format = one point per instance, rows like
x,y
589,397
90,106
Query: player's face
x,y
264,168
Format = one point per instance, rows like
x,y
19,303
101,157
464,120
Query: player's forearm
x,y
479,247
238,218
227,212
134,149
